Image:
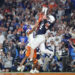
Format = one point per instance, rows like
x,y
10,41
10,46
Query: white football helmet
x,y
51,18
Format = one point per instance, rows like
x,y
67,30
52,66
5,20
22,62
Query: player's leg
x,y
33,46
28,52
43,9
37,41
44,50
34,67
46,10
35,63
31,54
27,55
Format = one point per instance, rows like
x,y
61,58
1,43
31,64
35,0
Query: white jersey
x,y
30,38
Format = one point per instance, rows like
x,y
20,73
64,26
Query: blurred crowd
x,y
16,16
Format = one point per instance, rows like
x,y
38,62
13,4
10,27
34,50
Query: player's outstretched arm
x,y
22,62
36,25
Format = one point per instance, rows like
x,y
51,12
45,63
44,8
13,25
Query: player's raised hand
x,y
44,17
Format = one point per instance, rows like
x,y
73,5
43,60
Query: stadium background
x,y
2,2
